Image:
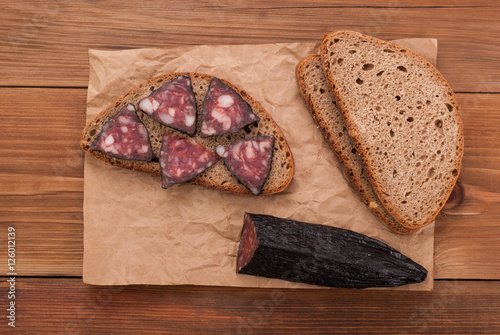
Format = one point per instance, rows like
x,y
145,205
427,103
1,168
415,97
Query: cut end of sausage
x,y
181,160
124,136
224,111
248,243
249,160
323,255
173,104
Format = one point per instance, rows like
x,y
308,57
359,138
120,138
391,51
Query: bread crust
x,y
216,177
341,98
349,160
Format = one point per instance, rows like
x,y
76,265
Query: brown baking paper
x,y
138,233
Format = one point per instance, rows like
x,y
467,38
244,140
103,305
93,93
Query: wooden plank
x,y
45,40
41,178
463,228
48,305
41,131
43,200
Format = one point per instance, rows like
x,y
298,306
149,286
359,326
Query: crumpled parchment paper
x,y
135,232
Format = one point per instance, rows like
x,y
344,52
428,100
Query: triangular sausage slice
x,y
249,160
224,111
173,105
181,159
124,136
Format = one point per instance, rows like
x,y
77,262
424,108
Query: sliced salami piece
x,y
320,255
173,105
249,160
224,110
181,159
124,136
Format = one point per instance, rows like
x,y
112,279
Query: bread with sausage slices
x,y
217,176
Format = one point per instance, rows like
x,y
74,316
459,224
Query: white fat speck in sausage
x,y
225,101
190,120
221,117
208,130
255,145
264,146
249,152
167,119
221,151
146,105
109,140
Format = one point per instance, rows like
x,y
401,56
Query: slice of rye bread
x,y
324,111
403,119
216,177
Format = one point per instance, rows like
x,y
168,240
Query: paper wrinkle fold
x,y
135,232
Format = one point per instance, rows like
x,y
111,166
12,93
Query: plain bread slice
x,y
403,119
324,111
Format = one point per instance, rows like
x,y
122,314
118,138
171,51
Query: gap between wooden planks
x,y
47,44
41,185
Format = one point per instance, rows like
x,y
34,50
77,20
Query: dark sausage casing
x,y
320,255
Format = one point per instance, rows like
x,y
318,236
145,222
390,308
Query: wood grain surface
x,y
454,307
41,190
43,86
52,39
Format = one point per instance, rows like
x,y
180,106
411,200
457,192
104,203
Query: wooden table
x,y
43,87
